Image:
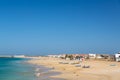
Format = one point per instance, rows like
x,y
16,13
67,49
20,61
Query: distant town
x,y
81,57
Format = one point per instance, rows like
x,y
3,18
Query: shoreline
x,y
99,70
44,72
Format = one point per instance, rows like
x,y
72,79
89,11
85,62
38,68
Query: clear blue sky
x,y
59,26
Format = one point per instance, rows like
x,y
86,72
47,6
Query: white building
x,y
57,56
117,57
54,56
99,56
92,56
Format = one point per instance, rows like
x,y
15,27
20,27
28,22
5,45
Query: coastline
x,y
99,70
16,69
43,72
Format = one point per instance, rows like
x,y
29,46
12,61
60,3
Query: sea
x,y
16,69
19,69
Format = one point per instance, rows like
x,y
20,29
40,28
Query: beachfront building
x,y
77,56
80,56
54,56
106,57
102,56
62,56
92,56
117,57
69,57
57,56
111,58
99,56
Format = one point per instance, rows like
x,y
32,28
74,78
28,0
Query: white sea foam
x,y
37,74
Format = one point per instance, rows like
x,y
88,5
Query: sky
x,y
41,27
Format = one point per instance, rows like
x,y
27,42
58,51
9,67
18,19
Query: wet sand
x,y
99,70
45,73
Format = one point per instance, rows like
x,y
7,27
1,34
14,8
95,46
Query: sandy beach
x,y
99,70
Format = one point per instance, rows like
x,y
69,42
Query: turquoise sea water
x,y
16,69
